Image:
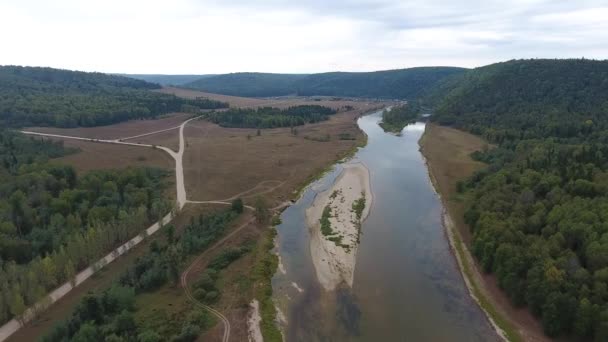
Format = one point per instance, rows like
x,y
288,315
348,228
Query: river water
x,y
407,286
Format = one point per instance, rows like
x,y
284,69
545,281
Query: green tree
x,y
237,205
261,210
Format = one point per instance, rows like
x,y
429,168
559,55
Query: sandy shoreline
x,y
334,254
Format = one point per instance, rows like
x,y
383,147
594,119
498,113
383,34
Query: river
x,y
407,286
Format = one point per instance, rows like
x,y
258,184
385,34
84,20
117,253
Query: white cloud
x,y
188,36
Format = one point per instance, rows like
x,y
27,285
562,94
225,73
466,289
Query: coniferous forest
x,y
539,211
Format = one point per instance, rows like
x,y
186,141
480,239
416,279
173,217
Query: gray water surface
x,y
407,286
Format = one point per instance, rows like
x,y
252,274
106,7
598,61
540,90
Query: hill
x,y
32,96
249,84
403,83
541,97
538,212
166,80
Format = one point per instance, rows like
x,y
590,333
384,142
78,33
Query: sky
x,y
303,36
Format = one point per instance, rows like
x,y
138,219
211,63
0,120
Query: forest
x,y
31,96
391,84
269,117
55,222
397,117
110,315
539,211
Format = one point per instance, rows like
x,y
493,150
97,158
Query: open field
x,y
118,131
220,161
97,156
447,152
234,101
278,102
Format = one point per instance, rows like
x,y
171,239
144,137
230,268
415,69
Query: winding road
x,y
13,325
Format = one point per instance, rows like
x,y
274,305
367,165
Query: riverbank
x,y
447,153
334,220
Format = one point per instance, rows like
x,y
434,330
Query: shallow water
x,y
407,286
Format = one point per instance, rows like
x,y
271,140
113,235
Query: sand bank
x,y
253,323
334,249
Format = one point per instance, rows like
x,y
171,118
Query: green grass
x,y
263,272
325,224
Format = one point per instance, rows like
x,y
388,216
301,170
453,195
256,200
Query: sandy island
x,y
342,208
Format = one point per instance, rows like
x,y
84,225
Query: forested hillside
x,y
539,212
248,84
167,80
399,84
54,222
50,97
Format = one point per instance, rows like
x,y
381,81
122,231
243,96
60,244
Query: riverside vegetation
x,y
395,118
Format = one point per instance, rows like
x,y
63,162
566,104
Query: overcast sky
x,y
215,36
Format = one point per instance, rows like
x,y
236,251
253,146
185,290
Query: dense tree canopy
x,y
54,222
51,97
397,117
539,212
269,117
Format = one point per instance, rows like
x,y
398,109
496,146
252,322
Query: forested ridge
x,y
270,117
394,84
539,211
54,222
32,96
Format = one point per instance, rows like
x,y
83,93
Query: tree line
x,y
54,222
397,117
269,117
51,97
538,212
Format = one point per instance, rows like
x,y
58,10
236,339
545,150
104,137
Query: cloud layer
x,y
214,36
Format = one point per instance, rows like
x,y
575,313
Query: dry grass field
x,y
120,130
448,151
222,162
233,100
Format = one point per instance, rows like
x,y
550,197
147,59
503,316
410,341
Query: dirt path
x,y
184,280
12,326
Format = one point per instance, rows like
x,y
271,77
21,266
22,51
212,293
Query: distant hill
x,y
402,83
52,97
558,95
167,80
249,84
